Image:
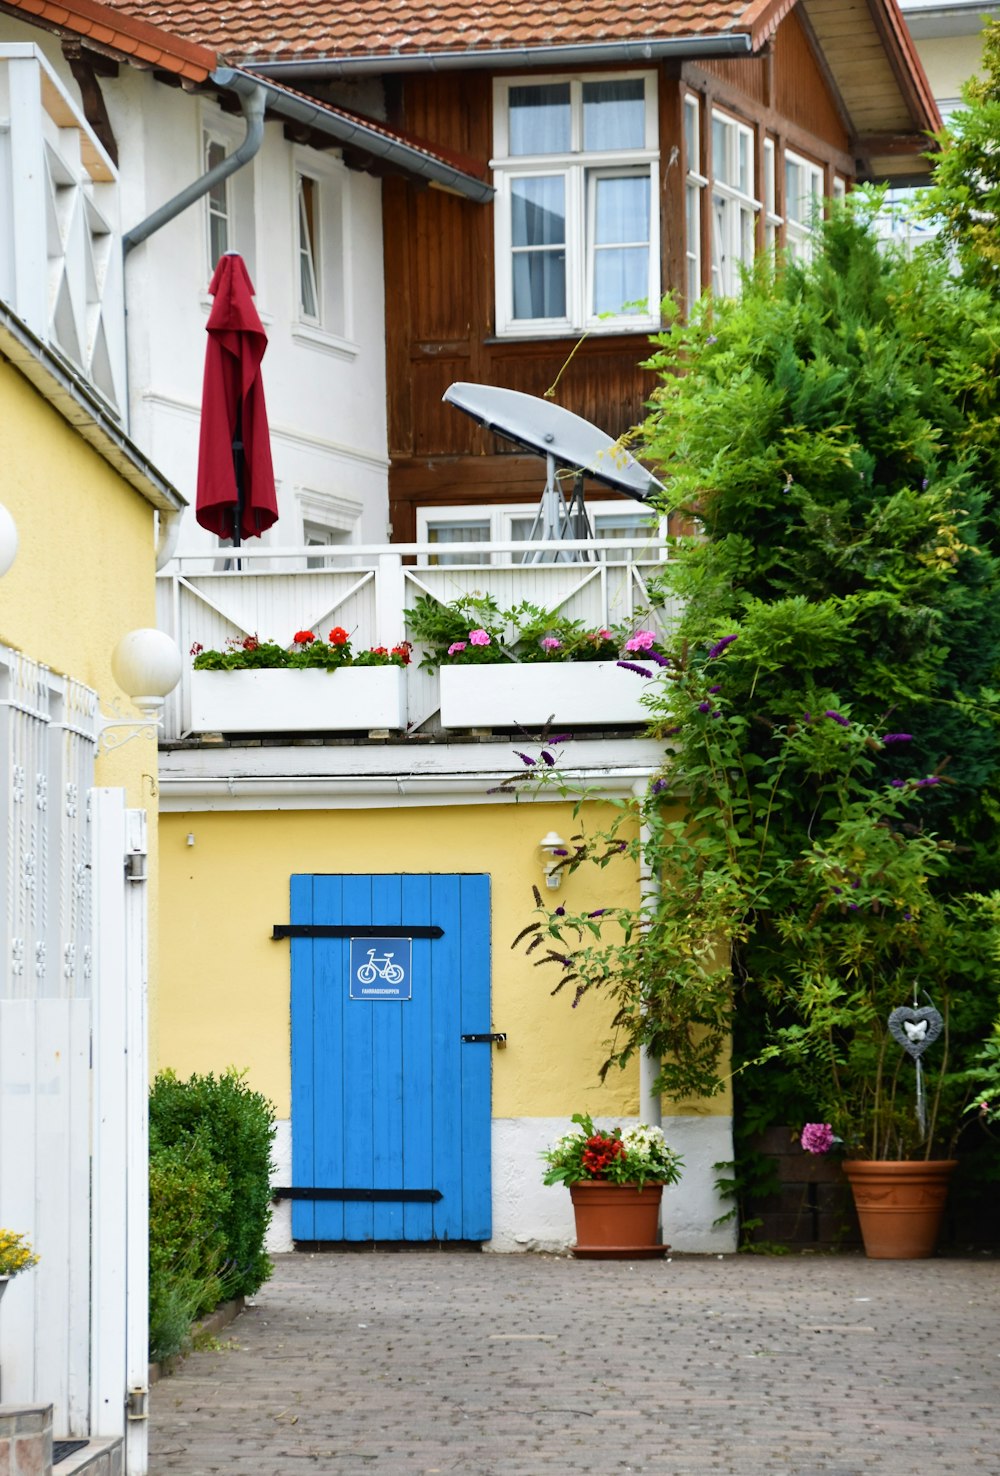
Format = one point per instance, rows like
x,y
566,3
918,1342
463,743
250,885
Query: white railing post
x,y
109,1269
136,1072
389,599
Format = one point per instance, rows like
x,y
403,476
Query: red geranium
x,y
403,651
599,1152
304,637
339,636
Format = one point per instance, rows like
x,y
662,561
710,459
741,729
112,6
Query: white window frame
x,y
772,220
580,170
734,210
331,330
241,193
800,234
498,520
695,184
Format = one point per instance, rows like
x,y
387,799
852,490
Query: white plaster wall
x,y
326,401
531,1216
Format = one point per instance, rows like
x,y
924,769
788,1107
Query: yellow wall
x,y
224,999
84,572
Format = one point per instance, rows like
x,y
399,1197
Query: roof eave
x,y
633,52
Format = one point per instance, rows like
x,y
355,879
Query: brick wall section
x,y
813,1208
25,1440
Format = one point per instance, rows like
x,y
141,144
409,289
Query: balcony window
x,y
734,203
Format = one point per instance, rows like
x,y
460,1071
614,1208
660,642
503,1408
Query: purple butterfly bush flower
x,y
837,717
704,707
898,738
639,670
659,785
926,783
652,655
547,757
817,1137
525,758
721,645
897,783
716,688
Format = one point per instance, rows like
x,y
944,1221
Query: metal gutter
x,y
252,101
349,129
77,403
633,52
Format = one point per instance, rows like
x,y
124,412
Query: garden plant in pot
x,y
615,1178
880,1069
15,1255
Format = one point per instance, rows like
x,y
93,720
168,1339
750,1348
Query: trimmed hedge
x,y
209,1198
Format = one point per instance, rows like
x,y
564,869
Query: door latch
x,y
494,1037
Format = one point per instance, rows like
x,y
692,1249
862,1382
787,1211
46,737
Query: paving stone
x,y
412,1365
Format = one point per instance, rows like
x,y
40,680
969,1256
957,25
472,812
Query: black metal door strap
x,y
353,930
361,1196
495,1037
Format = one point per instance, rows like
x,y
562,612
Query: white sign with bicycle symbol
x,y
381,968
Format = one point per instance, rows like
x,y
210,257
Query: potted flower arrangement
x,y
261,686
615,1179
522,665
16,1255
877,932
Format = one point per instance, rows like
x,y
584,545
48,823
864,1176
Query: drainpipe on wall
x,y
252,101
650,1108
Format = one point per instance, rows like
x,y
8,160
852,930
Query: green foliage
x,y
189,1196
831,708
965,199
639,1155
524,632
236,1127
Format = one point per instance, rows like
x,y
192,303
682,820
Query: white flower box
x,y
508,694
298,701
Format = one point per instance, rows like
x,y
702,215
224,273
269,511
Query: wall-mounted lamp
x,y
8,541
146,664
553,848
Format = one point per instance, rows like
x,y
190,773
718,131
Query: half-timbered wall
x,y
440,285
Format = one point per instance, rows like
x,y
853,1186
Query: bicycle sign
x,y
381,968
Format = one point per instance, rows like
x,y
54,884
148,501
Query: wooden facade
x,y
439,263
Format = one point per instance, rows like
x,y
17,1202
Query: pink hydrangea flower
x,y
641,641
817,1137
480,637
455,647
549,643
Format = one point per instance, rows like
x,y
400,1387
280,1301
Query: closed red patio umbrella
x,y
236,497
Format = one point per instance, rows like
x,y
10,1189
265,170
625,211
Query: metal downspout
x,y
252,101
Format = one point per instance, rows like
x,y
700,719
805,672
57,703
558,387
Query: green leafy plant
x,y
634,1155
235,1126
307,651
474,630
189,1198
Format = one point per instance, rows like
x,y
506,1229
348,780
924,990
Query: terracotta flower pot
x,y
616,1221
900,1205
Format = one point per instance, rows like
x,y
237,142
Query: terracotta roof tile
x,y
138,32
252,31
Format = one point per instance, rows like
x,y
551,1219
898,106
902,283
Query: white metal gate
x,y
72,989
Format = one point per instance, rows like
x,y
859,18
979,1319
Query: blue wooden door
x,y
386,1096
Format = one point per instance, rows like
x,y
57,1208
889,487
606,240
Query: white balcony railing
x,y
272,593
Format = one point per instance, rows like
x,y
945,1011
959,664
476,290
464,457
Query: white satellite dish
x,y
567,441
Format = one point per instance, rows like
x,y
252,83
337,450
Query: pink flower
x,y
641,641
455,647
605,635
817,1137
480,637
549,643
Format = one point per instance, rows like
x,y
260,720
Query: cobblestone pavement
x,y
419,1363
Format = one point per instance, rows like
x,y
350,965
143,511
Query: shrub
x,y
236,1126
188,1199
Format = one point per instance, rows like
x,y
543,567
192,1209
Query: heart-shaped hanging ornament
x,y
915,1029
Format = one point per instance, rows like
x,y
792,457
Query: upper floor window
x,y
458,531
577,227
230,221
803,204
694,186
734,202
322,255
